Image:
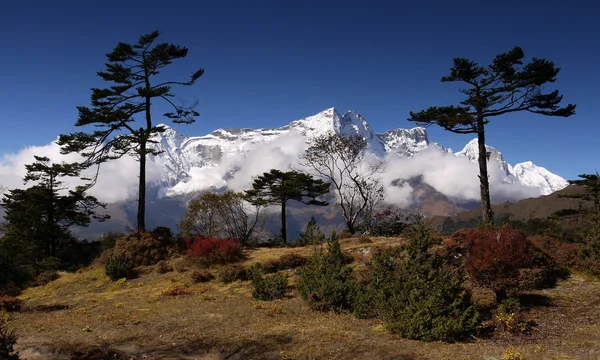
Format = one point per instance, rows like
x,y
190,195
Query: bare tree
x,y
341,161
226,215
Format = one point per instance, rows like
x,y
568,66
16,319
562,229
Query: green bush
x,y
312,234
119,266
8,339
269,287
417,295
326,282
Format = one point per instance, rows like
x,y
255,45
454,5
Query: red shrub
x,y
565,253
209,251
494,257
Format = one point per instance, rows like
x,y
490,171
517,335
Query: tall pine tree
x,y
133,70
506,86
277,187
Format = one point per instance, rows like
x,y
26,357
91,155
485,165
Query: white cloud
x,y
117,181
455,177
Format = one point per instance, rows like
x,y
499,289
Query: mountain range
x,y
230,158
182,155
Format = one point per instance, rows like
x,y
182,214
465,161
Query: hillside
x,y
213,320
526,209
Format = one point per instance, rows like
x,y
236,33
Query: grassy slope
x,y
218,321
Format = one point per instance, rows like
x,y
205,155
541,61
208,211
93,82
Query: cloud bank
x,y
117,181
455,177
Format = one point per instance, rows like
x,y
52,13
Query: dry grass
x,y
217,321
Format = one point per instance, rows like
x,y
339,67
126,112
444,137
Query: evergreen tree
x,y
277,187
506,86
40,216
133,69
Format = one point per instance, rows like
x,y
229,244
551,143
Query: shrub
x,y
46,277
201,276
232,273
514,323
8,339
326,282
209,251
10,303
417,295
506,262
144,249
285,262
312,234
590,252
389,222
119,266
564,253
163,267
269,287
176,290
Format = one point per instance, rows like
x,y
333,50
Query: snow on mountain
x,y
183,156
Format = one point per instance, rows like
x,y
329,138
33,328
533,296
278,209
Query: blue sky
x,y
270,62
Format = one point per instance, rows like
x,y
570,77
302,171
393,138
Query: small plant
x,y
269,287
201,276
8,339
232,273
512,354
175,291
119,266
389,222
10,303
514,323
285,262
46,277
209,251
312,234
364,239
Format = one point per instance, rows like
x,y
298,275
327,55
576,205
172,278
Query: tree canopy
x,y
506,86
277,187
133,70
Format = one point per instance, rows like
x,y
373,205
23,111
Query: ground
x,y
222,321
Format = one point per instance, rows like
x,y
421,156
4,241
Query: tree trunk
x,y
486,205
283,223
350,226
141,213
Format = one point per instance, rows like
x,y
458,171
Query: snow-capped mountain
x,y
183,155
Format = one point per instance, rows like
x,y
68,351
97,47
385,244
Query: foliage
x,y
232,273
357,187
505,261
269,287
505,86
133,70
46,277
40,216
119,266
389,222
419,296
163,267
223,215
564,253
201,276
286,261
10,303
513,322
144,248
209,251
12,276
175,291
8,339
512,353
277,187
326,282
312,234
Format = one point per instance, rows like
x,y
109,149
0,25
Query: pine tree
x,y
133,69
277,187
506,86
40,216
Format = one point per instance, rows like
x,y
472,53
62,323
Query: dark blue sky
x,y
270,62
